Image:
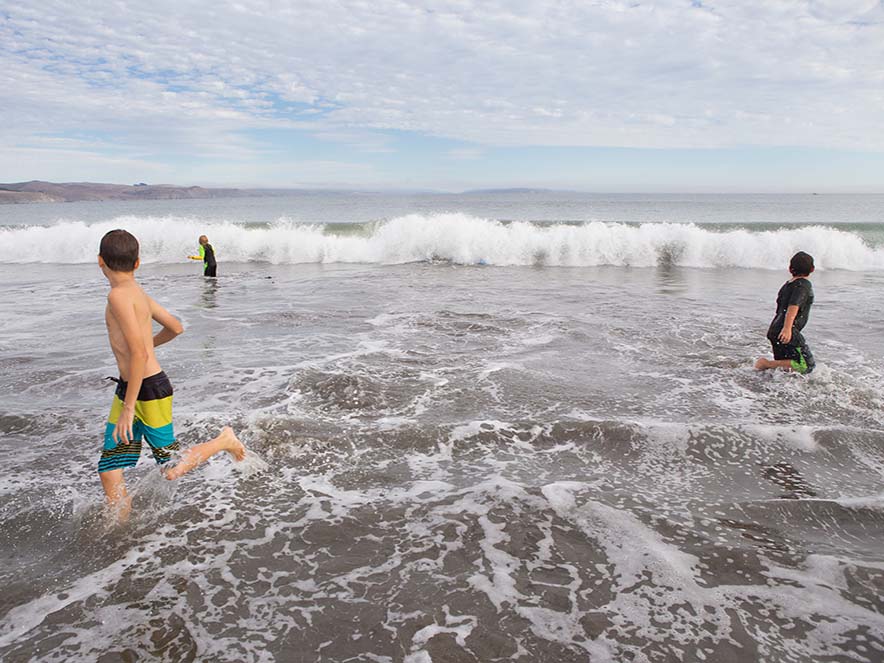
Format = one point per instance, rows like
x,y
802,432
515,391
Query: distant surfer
x,y
790,349
142,404
207,255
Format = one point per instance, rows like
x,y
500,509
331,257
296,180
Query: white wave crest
x,y
458,238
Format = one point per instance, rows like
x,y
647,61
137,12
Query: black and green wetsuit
x,y
797,292
210,266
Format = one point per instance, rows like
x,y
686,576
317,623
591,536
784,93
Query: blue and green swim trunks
x,y
153,422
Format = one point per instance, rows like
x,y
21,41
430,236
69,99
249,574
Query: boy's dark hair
x,y
801,264
119,250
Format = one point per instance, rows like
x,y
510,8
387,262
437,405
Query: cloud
x,y
54,164
465,154
183,79
362,141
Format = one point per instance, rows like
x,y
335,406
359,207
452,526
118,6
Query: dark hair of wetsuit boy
x,y
801,264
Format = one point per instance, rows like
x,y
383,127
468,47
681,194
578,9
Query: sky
x,y
591,95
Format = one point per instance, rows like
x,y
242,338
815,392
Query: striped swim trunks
x,y
153,422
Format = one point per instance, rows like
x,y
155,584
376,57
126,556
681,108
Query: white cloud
x,y
465,154
186,78
54,164
362,141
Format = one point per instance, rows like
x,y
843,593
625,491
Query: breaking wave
x,y
454,237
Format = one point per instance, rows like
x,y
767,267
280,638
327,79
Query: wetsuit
x,y
798,293
207,253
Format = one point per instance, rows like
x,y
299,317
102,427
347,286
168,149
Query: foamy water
x,y
454,237
451,460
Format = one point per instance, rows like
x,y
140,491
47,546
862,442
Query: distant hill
x,y
473,192
51,192
37,191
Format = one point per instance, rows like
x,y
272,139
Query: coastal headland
x,y
37,191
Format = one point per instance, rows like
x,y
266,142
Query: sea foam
x,y
450,237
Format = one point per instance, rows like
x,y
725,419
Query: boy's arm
x,y
171,325
123,309
786,332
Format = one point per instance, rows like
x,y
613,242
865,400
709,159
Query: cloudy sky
x,y
597,95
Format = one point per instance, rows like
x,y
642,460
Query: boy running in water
x,y
794,300
142,405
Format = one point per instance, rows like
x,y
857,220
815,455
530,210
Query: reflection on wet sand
x,y
208,298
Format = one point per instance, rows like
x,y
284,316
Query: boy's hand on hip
x,y
123,433
785,335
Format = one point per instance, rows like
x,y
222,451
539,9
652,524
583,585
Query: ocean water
x,y
482,427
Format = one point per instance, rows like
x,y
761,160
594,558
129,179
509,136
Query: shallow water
x,y
451,463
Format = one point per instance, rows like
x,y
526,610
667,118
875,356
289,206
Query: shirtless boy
x,y
142,406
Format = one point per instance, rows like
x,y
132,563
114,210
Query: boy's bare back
x,y
129,309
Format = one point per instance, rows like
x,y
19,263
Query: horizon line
x,y
391,189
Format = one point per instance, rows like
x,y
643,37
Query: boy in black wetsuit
x,y
794,300
207,255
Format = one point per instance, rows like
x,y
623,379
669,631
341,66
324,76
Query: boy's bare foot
x,y
232,444
191,458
